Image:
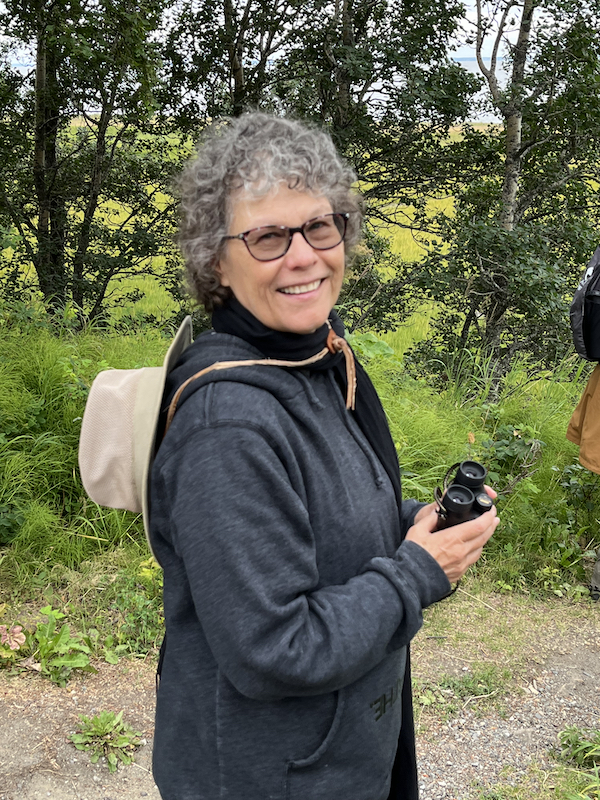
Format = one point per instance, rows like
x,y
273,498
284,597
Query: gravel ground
x,y
558,686
471,754
550,649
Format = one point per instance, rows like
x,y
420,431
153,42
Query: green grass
x,y
155,299
53,540
560,783
45,516
414,330
549,505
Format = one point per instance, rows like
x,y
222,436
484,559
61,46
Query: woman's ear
x,y
221,274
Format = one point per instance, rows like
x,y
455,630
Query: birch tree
x,y
527,223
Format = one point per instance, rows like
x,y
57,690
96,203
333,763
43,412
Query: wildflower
x,y
12,636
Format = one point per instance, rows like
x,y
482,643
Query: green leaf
x,y
111,657
70,660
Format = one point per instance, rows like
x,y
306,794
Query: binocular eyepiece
x,y
464,498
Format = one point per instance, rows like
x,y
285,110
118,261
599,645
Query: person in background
x,y
295,574
584,431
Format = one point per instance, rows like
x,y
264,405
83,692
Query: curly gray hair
x,y
253,153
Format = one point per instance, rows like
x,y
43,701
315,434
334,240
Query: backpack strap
x,y
335,344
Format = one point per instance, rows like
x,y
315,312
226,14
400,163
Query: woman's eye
x,y
318,224
268,236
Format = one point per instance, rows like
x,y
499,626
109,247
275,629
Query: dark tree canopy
x,y
115,93
84,169
523,228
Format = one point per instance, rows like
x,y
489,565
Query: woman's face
x,y
295,292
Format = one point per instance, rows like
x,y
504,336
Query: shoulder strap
x,y
335,344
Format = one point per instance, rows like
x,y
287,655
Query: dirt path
x,y
552,650
36,718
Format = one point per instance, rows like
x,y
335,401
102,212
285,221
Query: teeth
x,y
307,287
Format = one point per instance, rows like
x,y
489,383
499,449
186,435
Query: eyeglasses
x,y
273,241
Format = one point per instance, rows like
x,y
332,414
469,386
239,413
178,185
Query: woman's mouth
x,y
303,288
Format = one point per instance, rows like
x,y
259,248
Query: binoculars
x,y
464,497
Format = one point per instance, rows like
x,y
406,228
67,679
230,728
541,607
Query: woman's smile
x,y
304,289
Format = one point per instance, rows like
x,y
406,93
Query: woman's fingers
x,y
457,547
424,512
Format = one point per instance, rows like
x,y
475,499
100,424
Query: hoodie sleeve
x,y
245,540
410,508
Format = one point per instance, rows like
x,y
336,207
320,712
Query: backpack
x,y
585,311
118,439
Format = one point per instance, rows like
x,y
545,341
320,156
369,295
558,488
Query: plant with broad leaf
x,y
55,652
11,639
107,736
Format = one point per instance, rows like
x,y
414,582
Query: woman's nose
x,y
300,253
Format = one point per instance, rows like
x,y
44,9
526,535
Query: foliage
x,y
504,264
540,546
504,292
44,380
368,346
377,294
107,736
580,746
11,639
511,454
85,169
136,611
55,651
581,493
11,520
378,74
95,562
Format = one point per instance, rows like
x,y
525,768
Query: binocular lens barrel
x,y
458,498
471,474
465,498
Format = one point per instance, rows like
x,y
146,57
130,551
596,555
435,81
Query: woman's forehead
x,y
280,205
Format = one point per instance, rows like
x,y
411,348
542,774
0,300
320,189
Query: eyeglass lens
x,y
273,241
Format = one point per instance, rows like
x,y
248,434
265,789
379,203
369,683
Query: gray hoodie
x,y
289,597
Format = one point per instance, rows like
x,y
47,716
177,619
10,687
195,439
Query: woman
x,y
294,575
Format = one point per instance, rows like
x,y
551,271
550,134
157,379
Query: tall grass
x,y
549,505
50,532
45,516
414,330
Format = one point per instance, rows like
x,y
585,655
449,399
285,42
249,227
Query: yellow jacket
x,y
584,426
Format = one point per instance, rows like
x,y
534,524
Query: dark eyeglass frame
x,y
345,216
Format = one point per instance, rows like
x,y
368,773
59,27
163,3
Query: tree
x,y
378,294
219,56
378,75
526,225
375,73
84,170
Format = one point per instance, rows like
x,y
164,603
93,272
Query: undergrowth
x,y
105,736
548,503
92,563
581,748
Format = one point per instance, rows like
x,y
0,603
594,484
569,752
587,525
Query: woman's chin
x,y
302,323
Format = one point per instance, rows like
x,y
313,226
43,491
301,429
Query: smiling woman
x,y
260,158
294,573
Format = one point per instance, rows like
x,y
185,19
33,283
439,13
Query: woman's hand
x,y
457,547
